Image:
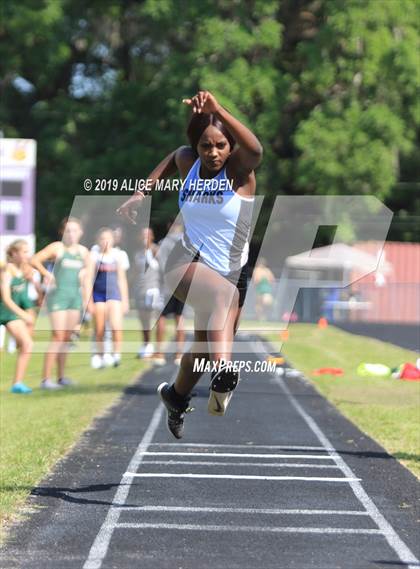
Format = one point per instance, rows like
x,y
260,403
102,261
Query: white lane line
x,y
395,542
234,476
269,511
196,527
249,446
262,464
100,546
239,455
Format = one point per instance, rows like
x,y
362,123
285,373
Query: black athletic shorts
x,y
181,256
173,306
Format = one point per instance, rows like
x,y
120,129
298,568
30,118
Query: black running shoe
x,y
176,407
223,383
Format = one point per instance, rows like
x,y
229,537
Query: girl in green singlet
x,y
264,281
64,296
16,308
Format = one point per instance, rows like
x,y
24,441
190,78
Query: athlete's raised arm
x,y
166,168
248,154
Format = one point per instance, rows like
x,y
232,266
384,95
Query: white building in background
x,y
17,192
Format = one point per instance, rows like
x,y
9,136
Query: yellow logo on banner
x,y
19,152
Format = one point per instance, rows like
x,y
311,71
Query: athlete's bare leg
x,y
160,334
72,320
115,319
216,304
144,317
209,293
187,378
100,315
19,330
179,333
58,321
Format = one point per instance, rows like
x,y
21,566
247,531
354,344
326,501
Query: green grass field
x,y
39,428
386,409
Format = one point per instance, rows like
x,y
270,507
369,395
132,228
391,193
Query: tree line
x,y
329,86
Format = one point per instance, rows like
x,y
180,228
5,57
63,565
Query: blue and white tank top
x,y
106,278
217,220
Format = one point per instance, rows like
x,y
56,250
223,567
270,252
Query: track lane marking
x,y
263,464
101,543
234,476
249,446
268,511
239,455
394,541
263,529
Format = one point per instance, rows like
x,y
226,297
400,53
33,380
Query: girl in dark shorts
x,y
208,267
109,294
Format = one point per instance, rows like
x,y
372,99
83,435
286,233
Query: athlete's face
x,y
106,240
72,233
213,149
21,256
117,235
146,237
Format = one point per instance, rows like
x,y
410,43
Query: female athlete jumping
x,y
208,267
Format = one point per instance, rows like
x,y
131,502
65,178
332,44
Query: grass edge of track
x,y
44,432
385,409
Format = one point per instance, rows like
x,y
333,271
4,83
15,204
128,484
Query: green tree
x,y
329,86
360,76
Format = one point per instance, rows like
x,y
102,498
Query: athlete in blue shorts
x,y
208,267
110,295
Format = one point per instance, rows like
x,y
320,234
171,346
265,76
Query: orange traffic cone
x,y
322,323
278,360
284,335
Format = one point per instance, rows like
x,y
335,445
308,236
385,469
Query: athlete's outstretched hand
x,y
129,208
203,102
